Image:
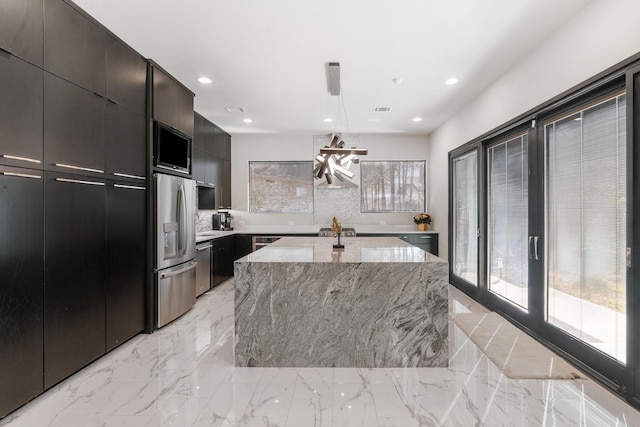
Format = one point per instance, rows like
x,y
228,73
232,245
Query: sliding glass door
x,y
507,220
586,224
465,217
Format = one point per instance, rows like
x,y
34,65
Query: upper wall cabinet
x,y
126,74
172,102
74,47
74,128
21,29
20,113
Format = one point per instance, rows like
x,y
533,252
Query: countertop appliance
x,y
222,221
203,270
346,232
175,242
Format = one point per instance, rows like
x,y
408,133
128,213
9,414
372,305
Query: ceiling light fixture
x,y
328,120
247,120
205,80
334,160
416,119
451,81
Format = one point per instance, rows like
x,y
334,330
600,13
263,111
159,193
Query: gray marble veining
x,y
379,303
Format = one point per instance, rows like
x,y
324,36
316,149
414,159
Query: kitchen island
x,y
380,302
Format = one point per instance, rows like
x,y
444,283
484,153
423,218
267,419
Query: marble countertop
x,y
356,250
307,229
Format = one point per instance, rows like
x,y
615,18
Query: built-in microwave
x,y
171,149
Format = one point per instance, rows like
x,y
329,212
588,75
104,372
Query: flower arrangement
x,y
422,218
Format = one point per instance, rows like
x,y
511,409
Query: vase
x,y
423,226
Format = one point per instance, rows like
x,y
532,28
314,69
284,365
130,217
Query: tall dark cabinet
x,y
126,266
21,286
73,193
74,292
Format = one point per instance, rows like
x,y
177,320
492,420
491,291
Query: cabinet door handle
x,y
21,175
24,159
129,187
202,248
79,168
79,181
126,175
425,237
6,50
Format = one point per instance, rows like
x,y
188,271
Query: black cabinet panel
x,y
198,164
172,103
126,266
74,122
126,142
213,172
21,287
126,74
21,29
74,292
244,245
74,47
20,112
223,257
226,184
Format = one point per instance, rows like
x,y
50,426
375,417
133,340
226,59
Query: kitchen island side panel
x,y
341,315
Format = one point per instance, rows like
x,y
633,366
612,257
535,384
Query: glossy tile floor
x,y
183,375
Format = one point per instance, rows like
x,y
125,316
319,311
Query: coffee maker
x,y
222,221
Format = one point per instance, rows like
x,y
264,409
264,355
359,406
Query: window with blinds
x,y
585,213
508,211
465,221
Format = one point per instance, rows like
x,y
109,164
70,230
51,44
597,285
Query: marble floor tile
x,y
184,375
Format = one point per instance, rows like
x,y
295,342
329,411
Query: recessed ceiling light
x,y
417,119
247,120
451,81
328,120
205,80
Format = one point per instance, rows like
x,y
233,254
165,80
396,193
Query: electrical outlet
x,y
383,222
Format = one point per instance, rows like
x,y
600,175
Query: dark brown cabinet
x,y
223,256
212,159
74,291
21,286
74,46
74,126
20,112
21,29
126,76
172,102
126,262
126,146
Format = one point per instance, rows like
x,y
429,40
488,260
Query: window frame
x,y
271,162
424,186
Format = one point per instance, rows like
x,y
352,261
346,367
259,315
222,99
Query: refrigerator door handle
x,y
178,272
181,208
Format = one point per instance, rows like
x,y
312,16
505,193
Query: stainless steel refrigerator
x,y
175,270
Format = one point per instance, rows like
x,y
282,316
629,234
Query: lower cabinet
x,y
244,245
426,242
74,291
21,281
223,257
126,262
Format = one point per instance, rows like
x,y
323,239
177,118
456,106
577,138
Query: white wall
x,y
603,34
252,147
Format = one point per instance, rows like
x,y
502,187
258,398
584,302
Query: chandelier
x,y
334,159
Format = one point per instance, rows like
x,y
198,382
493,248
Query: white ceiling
x,y
269,57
